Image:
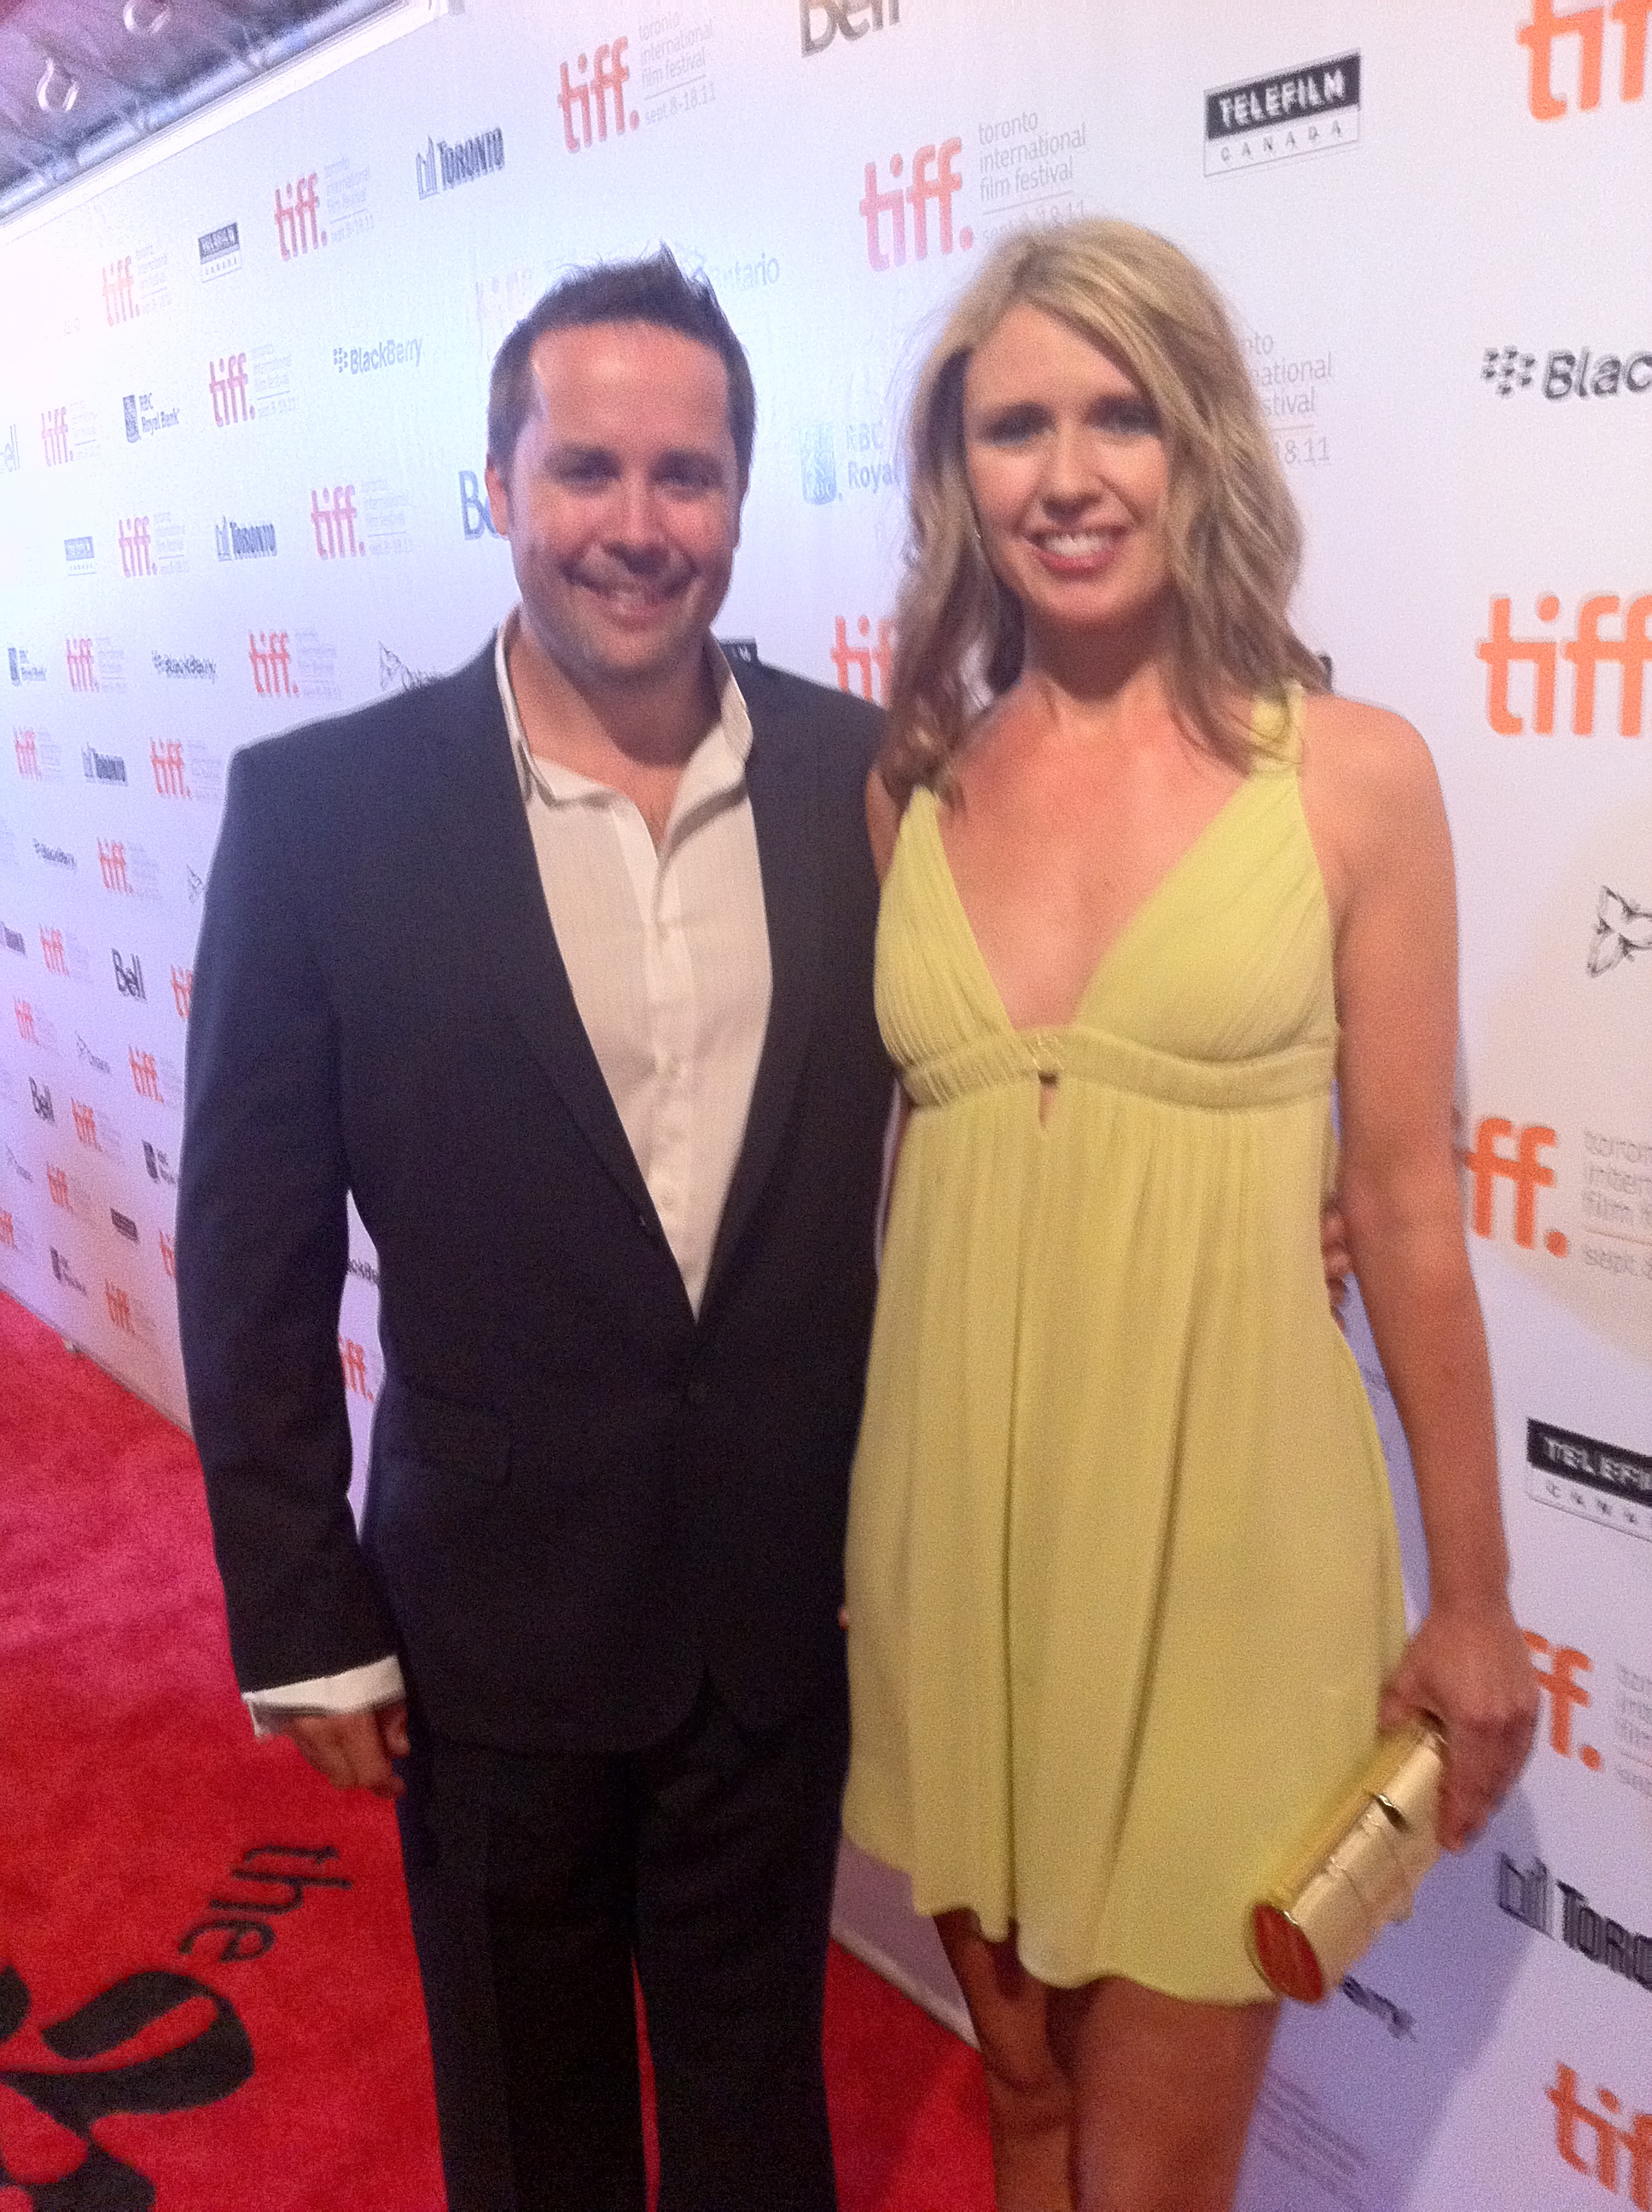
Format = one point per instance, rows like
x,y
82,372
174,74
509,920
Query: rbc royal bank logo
x,y
297,226
935,183
1588,27
269,655
826,20
227,382
594,99
1587,652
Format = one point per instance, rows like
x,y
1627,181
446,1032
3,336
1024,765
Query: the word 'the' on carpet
x,y
208,1995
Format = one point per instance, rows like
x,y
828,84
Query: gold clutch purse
x,y
1357,1870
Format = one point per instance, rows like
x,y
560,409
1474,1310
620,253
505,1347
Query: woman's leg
x,y
1162,2090
1028,2096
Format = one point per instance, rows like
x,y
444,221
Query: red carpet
x,y
208,1997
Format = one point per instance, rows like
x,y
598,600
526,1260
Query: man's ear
x,y
499,504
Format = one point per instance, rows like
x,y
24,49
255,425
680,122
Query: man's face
x,y
621,502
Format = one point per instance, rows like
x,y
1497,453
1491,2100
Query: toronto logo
x,y
440,167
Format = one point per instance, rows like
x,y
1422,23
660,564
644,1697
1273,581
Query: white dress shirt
x,y
666,951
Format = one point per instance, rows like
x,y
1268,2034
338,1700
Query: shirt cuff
x,y
357,1690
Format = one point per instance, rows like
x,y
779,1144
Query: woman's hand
x,y
1469,1667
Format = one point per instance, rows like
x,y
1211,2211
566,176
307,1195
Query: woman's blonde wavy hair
x,y
1233,536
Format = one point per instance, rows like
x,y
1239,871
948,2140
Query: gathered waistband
x,y
1014,1056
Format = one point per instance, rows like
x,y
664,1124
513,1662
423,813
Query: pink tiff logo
x,y
860,660
27,747
146,1076
166,763
227,382
112,862
53,952
86,1124
1587,652
935,183
297,229
333,520
54,436
183,991
57,1183
120,1306
354,1360
597,95
1588,27
79,660
119,305
270,658
133,538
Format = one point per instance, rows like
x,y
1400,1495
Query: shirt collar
x,y
716,765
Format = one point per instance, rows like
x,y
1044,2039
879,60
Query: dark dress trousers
x,y
603,1536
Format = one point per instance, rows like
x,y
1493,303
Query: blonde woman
x,y
1123,1592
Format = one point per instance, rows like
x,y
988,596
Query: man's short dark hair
x,y
652,291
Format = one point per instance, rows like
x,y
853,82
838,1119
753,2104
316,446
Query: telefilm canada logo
x,y
442,167
219,252
80,555
1313,109
823,20
1606,1484
1568,371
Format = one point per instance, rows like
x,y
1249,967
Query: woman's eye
x,y
1127,418
1013,426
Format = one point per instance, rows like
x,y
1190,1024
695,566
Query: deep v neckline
x,y
1131,922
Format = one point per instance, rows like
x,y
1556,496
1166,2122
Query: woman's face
x,y
1068,471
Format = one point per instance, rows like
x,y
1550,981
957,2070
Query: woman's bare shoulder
x,y
1364,754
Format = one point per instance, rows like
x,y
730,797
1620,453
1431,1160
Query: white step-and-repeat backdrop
x,y
240,458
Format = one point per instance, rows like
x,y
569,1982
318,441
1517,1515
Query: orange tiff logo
x,y
1573,2120
1523,1166
1559,1684
1588,26
1587,651
353,1359
860,660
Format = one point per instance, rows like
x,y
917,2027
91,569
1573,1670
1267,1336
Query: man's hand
x,y
354,1750
1338,1260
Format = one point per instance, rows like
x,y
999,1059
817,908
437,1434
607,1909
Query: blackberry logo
x,y
1509,368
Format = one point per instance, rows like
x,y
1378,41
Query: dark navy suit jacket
x,y
581,1499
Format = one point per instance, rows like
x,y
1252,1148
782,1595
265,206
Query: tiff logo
x,y
167,761
271,659
86,1124
81,662
129,975
845,18
861,659
1564,1690
53,951
604,89
8,1232
146,1077
227,382
27,747
112,863
1609,2138
120,1306
1588,27
119,305
183,991
1523,1167
935,181
133,538
1586,652
54,436
354,1360
24,1013
167,1259
296,219
57,1183
334,522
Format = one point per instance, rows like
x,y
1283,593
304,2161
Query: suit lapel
x,y
781,776
496,895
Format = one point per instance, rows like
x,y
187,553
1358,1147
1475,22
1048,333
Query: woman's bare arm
x,y
1375,803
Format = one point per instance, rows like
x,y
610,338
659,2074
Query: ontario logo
x,y
1311,110
1569,373
1587,652
593,100
1540,35
935,183
440,167
1606,1484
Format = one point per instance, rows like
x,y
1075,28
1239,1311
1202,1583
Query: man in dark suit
x,y
561,966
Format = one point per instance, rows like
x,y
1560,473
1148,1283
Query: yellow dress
x,y
1123,1580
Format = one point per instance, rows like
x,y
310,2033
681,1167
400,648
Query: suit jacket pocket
x,y
469,1442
